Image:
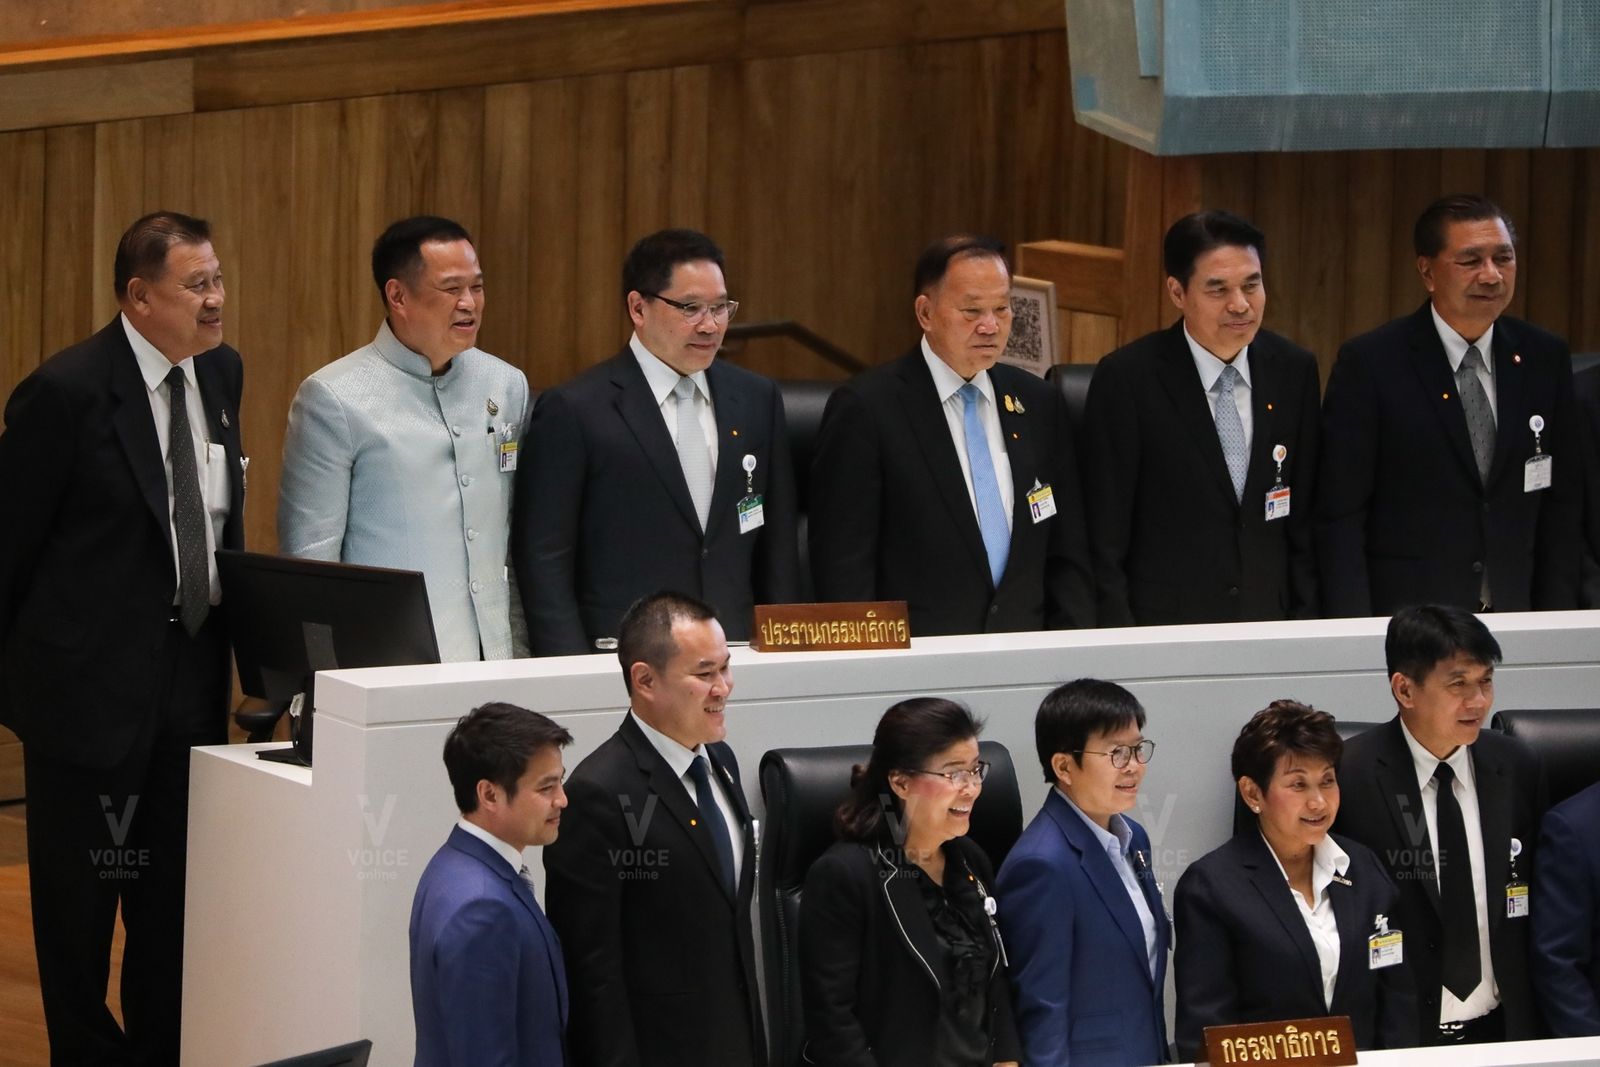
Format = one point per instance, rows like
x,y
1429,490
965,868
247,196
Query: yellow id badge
x,y
1385,950
1517,900
508,456
1041,502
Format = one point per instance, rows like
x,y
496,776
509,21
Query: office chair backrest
x,y
1566,739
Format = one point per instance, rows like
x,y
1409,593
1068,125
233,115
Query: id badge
x,y
1537,472
508,456
751,514
1517,900
1041,502
1385,950
1278,503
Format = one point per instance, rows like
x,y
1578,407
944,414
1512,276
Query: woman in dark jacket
x,y
1276,923
901,963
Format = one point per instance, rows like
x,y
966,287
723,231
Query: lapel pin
x,y
1516,357
1445,395
494,409
735,433
224,419
1010,406
1269,405
1020,409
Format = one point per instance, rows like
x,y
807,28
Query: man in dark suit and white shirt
x,y
1452,811
650,883
488,982
1451,469
1566,916
122,474
661,468
948,481
1200,447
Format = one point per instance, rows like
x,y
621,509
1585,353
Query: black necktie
x,y
1461,967
188,512
711,815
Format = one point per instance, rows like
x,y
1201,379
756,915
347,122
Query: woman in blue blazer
x,y
1275,924
1079,905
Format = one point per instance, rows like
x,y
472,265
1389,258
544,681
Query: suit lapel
x,y
135,427
1020,455
911,917
1432,368
1265,382
1494,822
1353,930
222,425
1511,399
642,416
1101,874
1268,881
673,796
1182,385
728,404
1396,776
923,411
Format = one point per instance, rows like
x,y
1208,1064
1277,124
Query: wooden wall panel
x,y
68,259
22,170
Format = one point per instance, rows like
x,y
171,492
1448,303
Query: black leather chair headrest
x,y
1566,739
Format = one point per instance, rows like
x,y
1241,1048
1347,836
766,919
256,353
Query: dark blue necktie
x,y
711,815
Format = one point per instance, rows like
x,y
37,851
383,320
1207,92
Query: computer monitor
x,y
290,618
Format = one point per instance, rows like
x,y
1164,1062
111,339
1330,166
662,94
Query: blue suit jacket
x,y
488,984
1079,967
1566,916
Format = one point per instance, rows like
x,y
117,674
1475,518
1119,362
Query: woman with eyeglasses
x,y
1079,904
1287,921
901,964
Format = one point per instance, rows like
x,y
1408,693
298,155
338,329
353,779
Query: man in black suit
x,y
662,467
1452,811
1200,446
1586,391
1451,471
122,473
650,883
949,482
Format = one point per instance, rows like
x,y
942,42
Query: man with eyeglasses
x,y
948,481
661,468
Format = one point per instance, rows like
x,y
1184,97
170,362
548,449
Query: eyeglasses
x,y
1121,754
973,776
692,313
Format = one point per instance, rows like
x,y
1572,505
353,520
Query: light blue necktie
x,y
985,487
1230,431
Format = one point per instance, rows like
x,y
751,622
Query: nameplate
x,y
831,627
1328,1040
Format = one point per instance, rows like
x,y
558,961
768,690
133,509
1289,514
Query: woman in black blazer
x,y
901,964
1275,924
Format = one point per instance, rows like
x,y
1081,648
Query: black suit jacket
x,y
602,514
660,962
871,966
1586,391
1170,542
86,568
1244,953
891,518
1381,807
1403,517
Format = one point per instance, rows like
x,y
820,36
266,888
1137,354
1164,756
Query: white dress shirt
x,y
947,384
1327,860
1455,349
1116,843
506,851
680,759
1210,368
211,461
1486,997
662,380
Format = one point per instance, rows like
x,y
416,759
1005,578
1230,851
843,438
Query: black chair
x,y
802,787
1244,819
803,404
1582,361
354,1054
1566,739
1072,381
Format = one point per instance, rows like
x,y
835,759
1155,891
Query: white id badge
x,y
1517,900
1041,503
508,456
1536,473
1385,950
751,514
1278,503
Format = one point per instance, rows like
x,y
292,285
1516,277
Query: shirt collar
x,y
1116,841
661,378
507,853
1328,861
404,359
677,757
153,366
1455,346
946,382
1210,367
1426,762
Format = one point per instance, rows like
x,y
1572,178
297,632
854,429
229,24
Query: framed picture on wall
x,y
1035,327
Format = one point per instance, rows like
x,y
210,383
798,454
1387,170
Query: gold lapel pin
x,y
1009,405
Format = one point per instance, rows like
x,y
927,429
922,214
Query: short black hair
x,y
495,741
1283,728
1421,638
909,734
645,634
1074,712
935,260
397,253
1427,236
650,262
1196,234
142,251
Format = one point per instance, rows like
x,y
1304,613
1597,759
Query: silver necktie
x,y
1230,431
693,454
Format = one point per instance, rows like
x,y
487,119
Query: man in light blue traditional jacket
x,y
403,453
